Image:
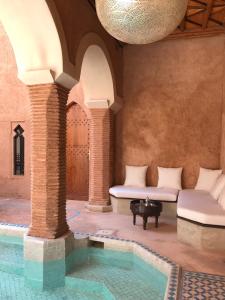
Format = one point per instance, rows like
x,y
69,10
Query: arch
x,y
97,89
95,70
37,41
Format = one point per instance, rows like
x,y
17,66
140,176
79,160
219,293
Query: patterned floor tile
x,y
201,286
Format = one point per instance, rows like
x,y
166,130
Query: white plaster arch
x,y
96,77
35,39
95,70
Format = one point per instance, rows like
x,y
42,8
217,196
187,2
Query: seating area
x,y
121,197
200,211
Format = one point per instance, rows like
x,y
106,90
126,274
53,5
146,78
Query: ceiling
x,y
203,17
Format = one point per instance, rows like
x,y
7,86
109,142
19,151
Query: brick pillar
x,y
48,161
100,159
112,150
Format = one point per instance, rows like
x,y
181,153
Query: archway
x,y
98,96
77,153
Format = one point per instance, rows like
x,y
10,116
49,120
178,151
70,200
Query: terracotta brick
x,y
101,154
48,161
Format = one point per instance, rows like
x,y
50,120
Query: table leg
x,y
145,220
134,219
156,221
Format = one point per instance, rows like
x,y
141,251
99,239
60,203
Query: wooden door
x,y
77,153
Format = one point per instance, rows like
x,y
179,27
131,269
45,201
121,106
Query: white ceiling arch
x,y
39,45
95,71
96,77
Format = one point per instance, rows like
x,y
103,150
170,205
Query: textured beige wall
x,y
173,94
14,109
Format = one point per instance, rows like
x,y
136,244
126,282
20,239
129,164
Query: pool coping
x,y
160,262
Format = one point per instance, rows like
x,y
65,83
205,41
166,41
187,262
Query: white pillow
x,y
222,199
136,176
207,179
170,178
218,187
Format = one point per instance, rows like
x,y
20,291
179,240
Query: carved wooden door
x,y
77,153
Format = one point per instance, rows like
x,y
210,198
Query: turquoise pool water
x,y
96,274
11,255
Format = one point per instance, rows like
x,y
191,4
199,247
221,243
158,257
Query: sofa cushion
x,y
199,206
154,193
170,178
163,194
136,176
218,187
207,179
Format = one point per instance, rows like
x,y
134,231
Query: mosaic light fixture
x,y
140,21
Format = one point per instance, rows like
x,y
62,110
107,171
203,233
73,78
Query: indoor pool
x,y
96,274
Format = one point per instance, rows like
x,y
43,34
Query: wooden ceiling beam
x,y
217,21
200,2
194,22
195,7
195,33
197,12
207,13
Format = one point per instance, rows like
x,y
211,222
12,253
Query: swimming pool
x,y
96,274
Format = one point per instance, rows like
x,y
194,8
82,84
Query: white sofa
x,y
201,220
121,197
200,207
154,193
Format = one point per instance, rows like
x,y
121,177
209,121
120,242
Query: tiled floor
x,y
201,286
163,239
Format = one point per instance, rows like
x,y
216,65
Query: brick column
x,y
48,161
100,159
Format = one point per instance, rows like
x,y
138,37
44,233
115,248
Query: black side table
x,y
145,210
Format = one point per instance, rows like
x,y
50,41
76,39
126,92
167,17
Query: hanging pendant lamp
x,y
140,21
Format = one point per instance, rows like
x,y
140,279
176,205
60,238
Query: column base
x,y
99,208
46,261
